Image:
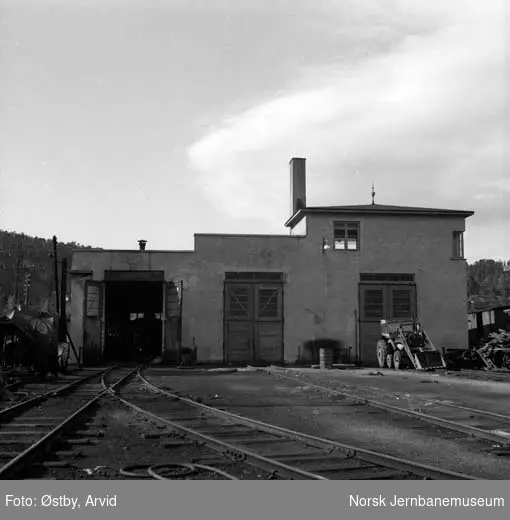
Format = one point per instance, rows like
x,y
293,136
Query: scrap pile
x,y
30,340
496,352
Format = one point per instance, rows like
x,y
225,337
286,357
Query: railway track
x,y
27,386
17,383
32,431
500,375
482,424
281,453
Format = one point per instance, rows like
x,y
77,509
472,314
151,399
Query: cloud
x,y
425,119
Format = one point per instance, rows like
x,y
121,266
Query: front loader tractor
x,y
406,343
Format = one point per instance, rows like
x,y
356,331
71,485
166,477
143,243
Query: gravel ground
x,y
127,439
264,397
485,395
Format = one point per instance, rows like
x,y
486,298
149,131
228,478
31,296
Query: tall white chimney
x,y
297,184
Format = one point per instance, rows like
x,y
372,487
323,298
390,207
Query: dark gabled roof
x,y
488,307
376,209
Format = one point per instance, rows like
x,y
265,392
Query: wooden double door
x,y
382,302
253,315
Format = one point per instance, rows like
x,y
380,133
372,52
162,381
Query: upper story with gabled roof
x,y
381,224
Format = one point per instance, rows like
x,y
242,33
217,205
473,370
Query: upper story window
x,y
347,236
458,244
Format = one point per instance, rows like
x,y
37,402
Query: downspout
x,y
356,336
163,323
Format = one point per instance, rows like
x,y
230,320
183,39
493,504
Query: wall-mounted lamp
x,y
325,245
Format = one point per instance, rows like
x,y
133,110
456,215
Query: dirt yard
x,y
294,405
126,439
486,395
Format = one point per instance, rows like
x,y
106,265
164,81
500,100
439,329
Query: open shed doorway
x,y
133,314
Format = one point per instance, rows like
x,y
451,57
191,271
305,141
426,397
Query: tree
x,y
488,283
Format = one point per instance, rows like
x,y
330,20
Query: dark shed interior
x,y
133,313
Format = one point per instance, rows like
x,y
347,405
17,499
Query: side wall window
x,y
458,244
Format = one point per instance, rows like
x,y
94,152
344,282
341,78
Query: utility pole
x,y
63,314
18,278
55,262
26,288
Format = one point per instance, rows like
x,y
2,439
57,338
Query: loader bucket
x,y
429,360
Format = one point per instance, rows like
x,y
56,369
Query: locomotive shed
x,y
248,299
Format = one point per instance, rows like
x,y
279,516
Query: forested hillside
x,y
33,253
488,284
488,280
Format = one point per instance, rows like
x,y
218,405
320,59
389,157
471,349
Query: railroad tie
x,y
389,474
56,464
88,433
68,453
177,443
244,440
502,452
21,420
8,454
27,425
18,432
80,441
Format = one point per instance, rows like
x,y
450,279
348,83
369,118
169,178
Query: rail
x,y
17,408
330,447
428,418
224,447
44,444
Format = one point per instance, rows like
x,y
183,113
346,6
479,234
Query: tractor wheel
x,y
382,351
397,359
389,360
506,361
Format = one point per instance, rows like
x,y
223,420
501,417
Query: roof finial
x,y
373,193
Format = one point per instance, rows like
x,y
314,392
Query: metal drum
x,y
326,358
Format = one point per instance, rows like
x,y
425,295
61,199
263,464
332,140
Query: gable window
x,y
458,244
347,236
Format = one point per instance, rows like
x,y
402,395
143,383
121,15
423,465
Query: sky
x,y
158,119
